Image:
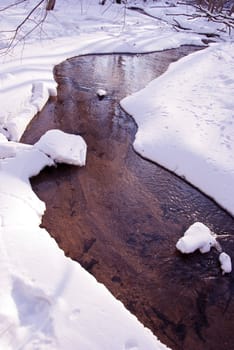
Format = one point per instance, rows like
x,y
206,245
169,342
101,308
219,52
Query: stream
x,y
120,216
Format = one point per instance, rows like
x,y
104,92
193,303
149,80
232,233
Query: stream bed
x,y
120,216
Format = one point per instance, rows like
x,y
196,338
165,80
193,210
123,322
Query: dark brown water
x,y
120,216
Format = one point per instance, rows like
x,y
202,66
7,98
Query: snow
x,y
197,236
193,134
58,305
62,147
47,301
187,17
101,93
226,263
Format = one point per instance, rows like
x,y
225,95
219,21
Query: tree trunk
x,y
50,5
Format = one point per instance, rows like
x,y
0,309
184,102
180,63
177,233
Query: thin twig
x,y
13,40
12,5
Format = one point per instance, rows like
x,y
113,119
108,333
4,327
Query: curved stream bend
x,y
120,216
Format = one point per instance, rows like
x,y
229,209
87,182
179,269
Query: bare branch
x,y
16,38
12,5
219,17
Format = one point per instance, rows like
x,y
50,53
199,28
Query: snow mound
x,y
226,263
101,93
62,147
197,236
41,94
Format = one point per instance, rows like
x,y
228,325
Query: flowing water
x,y
120,216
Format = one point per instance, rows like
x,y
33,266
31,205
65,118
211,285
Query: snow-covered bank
x,y
186,121
49,302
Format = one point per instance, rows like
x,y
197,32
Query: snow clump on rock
x,y
199,237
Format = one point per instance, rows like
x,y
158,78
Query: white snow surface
x,y
186,121
63,147
47,301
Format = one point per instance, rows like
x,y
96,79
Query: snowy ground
x,y
47,301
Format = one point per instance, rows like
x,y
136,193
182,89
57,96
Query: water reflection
x,y
121,216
